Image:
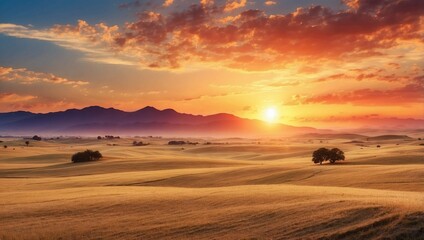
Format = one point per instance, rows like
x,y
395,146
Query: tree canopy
x,y
325,154
87,155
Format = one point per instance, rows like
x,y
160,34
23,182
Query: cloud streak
x,y
96,41
13,98
412,93
25,76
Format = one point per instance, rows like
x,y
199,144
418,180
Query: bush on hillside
x,y
36,138
135,143
176,142
86,156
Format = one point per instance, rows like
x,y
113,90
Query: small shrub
x,y
135,143
176,142
36,138
112,137
86,156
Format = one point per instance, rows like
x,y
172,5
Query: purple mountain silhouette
x,y
146,121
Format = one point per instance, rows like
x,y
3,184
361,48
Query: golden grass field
x,y
233,189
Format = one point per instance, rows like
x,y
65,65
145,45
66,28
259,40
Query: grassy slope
x,y
231,191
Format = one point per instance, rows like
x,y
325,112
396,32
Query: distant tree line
x,y
182,143
108,137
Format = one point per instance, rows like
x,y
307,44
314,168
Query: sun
x,y
270,114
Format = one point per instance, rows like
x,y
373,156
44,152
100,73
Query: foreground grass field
x,y
230,189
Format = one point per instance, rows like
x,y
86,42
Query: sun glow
x,y
270,114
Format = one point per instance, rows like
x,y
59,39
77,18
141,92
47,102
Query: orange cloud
x,y
368,74
207,2
234,4
168,3
25,76
250,40
5,70
412,93
13,98
270,3
354,4
198,34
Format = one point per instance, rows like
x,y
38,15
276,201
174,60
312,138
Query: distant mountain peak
x,y
93,108
169,110
148,108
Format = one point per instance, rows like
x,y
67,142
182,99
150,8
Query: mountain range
x,y
146,121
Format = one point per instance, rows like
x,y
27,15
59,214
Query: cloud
x,y
412,93
365,121
168,3
199,97
270,3
13,97
209,32
207,2
96,41
388,75
5,70
25,76
254,40
234,4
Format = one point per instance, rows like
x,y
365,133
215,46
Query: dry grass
x,y
239,190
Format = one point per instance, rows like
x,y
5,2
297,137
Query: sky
x,y
322,63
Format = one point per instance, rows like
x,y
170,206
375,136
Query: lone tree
x,y
86,156
27,143
336,155
324,154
